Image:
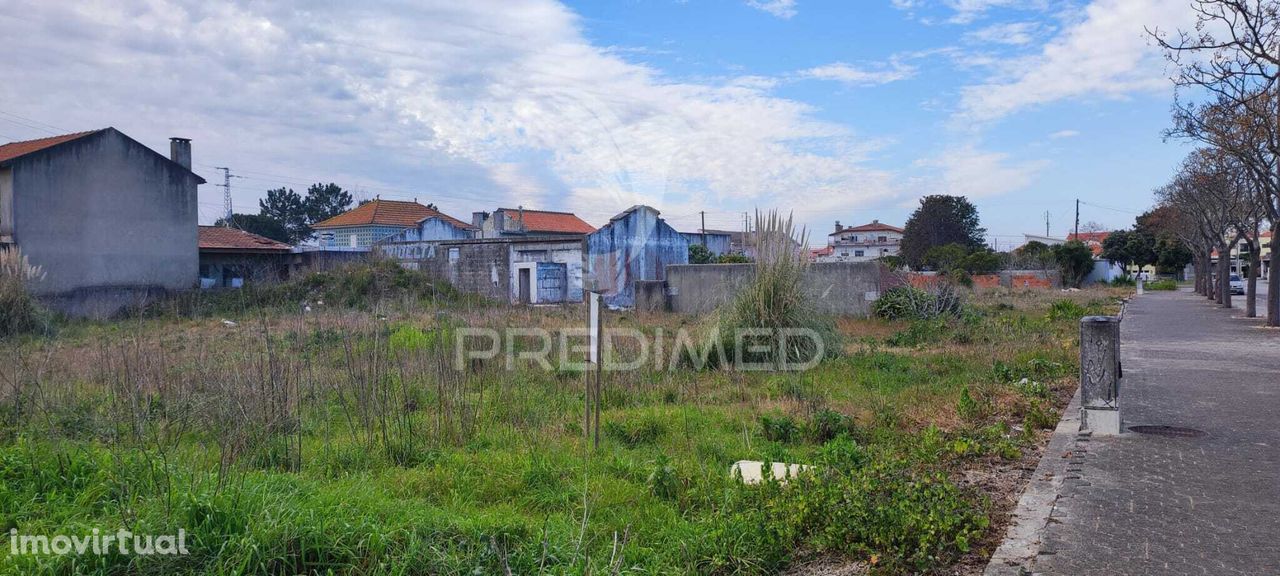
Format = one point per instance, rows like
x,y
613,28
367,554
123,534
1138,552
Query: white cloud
x,y
1105,54
966,11
466,104
780,8
848,74
1010,33
966,170
1064,134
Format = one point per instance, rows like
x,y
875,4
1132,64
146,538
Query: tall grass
x,y
777,298
19,310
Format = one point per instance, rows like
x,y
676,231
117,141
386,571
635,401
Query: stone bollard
x,y
1140,291
1100,375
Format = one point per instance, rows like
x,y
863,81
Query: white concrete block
x,y
752,471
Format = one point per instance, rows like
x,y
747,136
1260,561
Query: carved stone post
x,y
1100,375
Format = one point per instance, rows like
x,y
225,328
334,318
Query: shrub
x,y
635,432
779,428
776,299
1066,310
827,424
19,310
1161,285
911,303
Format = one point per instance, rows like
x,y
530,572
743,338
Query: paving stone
x,y
1147,504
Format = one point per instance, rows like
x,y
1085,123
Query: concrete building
x,y
528,270
366,224
109,219
862,243
519,222
635,245
229,258
435,227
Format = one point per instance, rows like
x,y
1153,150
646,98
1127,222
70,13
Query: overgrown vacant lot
x,y
344,440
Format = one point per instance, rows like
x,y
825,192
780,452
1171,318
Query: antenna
x,y
226,193
1046,223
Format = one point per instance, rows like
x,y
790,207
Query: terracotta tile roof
x,y
546,221
387,213
874,226
15,149
222,238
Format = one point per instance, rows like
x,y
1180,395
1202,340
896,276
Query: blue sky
x,y
837,110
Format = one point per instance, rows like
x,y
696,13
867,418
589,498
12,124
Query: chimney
x,y
521,207
477,219
875,221
180,151
838,226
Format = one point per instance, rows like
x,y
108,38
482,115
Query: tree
x,y
288,208
698,254
264,226
324,201
1125,247
1075,262
940,220
1231,58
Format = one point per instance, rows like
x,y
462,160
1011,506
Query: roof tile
x,y
15,149
222,238
387,213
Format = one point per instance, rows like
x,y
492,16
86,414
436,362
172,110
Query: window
x,y
882,239
857,253
453,255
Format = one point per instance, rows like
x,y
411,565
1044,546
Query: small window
x,y
883,239
857,253
453,255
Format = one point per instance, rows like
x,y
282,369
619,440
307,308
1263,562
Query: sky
x,y
842,110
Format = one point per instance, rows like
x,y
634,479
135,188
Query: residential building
x,y
230,257
528,270
366,224
1093,240
505,222
636,244
109,220
740,242
862,243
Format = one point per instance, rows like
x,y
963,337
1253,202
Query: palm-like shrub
x,y
19,310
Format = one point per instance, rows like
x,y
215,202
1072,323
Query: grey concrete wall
x,y
102,214
842,288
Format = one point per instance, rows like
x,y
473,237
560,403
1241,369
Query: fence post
x,y
1100,374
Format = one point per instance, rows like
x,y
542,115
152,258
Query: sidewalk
x,y
1180,504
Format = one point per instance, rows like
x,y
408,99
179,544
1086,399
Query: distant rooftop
x,y
387,213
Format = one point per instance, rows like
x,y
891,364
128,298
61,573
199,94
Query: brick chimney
x,y
180,151
838,226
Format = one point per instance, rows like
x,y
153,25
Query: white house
x,y
862,243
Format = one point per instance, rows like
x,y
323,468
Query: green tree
x,y
289,209
698,254
324,201
1075,261
940,220
259,224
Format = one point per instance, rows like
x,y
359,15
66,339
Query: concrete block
x,y
752,471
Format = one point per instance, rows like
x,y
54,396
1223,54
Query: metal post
x,y
1100,374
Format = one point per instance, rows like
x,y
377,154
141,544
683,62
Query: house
x,y
862,243
230,257
434,227
635,245
529,270
505,222
366,224
1093,240
717,243
108,219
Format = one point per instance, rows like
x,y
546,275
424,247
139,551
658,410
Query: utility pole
x,y
704,228
1077,218
1046,223
226,193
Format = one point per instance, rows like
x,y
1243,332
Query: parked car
x,y
1237,284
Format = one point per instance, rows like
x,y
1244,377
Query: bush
x,y
776,299
1162,285
779,428
19,310
911,303
1066,310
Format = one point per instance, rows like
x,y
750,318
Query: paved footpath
x,y
1153,504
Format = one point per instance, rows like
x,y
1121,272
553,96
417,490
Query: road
x,y
1157,504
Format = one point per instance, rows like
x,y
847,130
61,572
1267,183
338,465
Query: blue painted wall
x,y
430,229
634,245
717,244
